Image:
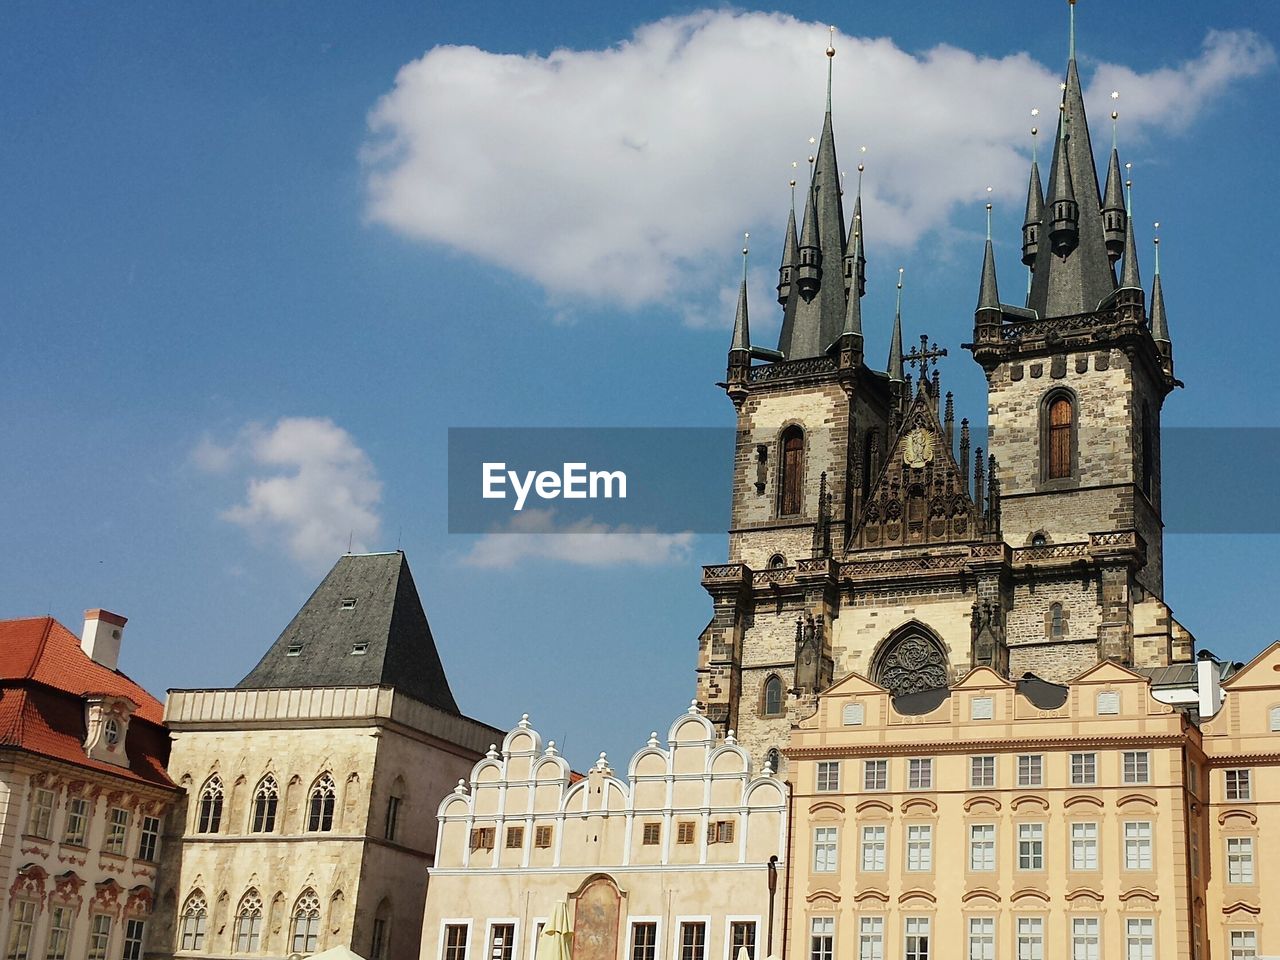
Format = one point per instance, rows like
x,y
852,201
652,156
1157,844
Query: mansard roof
x,y
363,626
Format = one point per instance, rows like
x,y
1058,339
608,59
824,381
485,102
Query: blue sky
x,y
239,243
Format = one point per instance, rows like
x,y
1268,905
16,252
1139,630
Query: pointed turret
x,y
1114,215
895,370
988,293
1130,279
1034,219
1064,212
1159,321
741,330
855,263
790,255
809,274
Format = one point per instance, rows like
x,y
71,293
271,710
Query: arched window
x,y
210,820
1059,438
1057,622
792,471
773,759
777,562
773,697
195,917
1039,539
380,942
306,923
911,661
249,923
320,812
265,800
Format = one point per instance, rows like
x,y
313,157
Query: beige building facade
x,y
671,860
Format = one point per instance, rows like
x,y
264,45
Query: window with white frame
x,y
77,822
822,938
1030,770
22,923
99,936
306,923
1084,846
919,847
742,936
1137,845
871,938
41,820
1030,933
828,776
1140,939
981,708
982,938
824,849
919,773
135,932
875,775
853,715
1084,769
1243,944
644,941
1239,784
874,843
60,920
1195,850
1086,938
1031,846
1108,703
117,830
1137,766
149,839
982,771
195,915
982,846
916,938
502,941
1275,720
248,930
1239,860
455,941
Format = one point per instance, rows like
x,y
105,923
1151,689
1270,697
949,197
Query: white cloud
x,y
533,535
308,485
616,174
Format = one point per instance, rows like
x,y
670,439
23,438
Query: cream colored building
x,y
671,860
311,787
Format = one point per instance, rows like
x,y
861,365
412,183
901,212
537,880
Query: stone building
x,y
311,786
83,791
868,536
670,860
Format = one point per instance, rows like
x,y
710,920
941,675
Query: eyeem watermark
x,y
573,482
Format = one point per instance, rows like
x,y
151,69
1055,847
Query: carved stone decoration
x,y
66,889
29,885
912,663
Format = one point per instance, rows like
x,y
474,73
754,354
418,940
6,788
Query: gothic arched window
x,y
1059,437
792,471
265,800
773,696
320,811
210,820
912,661
195,916
773,759
249,923
306,923
1057,622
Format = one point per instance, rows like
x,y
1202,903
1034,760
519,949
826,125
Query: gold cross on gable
x,y
920,357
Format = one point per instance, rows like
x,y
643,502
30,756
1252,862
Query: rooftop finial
x,y
831,56
1035,133
1128,189
1115,117
1071,49
1157,243
989,189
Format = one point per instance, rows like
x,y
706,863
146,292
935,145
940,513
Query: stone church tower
x,y
865,534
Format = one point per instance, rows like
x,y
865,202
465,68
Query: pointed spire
x,y
853,306
1034,218
1113,208
1159,321
1064,227
855,261
1129,279
741,329
809,275
988,294
896,372
790,253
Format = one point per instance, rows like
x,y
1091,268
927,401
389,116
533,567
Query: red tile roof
x,y
44,678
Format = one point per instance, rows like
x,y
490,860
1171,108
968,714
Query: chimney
x,y
1208,687
101,637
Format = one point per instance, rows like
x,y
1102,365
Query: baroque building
x,y
868,535
83,791
311,786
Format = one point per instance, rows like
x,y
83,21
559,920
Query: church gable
x,y
922,494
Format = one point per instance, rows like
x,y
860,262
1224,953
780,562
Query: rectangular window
x,y
1140,940
1031,846
1086,938
822,938
1108,703
1193,777
502,941
920,774
684,831
59,933
99,936
693,941
482,838
981,708
515,838
1275,719
1084,846
1030,938
828,776
117,830
1030,770
1244,944
824,849
742,936
919,847
982,771
1137,766
1239,860
542,838
1239,785
21,925
982,938
393,818
149,838
1137,845
871,938
853,715
916,939
720,831
134,932
982,846
875,775
652,834
455,941
873,849
41,814
77,821
644,941
1084,769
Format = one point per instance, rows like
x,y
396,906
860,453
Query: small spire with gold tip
x,y
896,372
1159,321
831,56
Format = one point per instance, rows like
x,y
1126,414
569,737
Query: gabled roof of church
x,y
363,626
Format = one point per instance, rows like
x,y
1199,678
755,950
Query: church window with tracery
x,y
323,798
210,820
773,697
911,663
265,800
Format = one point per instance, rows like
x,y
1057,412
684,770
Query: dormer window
x,y
112,731
348,603
106,726
359,649
295,649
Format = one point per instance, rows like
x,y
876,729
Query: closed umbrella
x,y
556,942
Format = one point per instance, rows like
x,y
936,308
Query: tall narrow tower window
x,y
792,471
773,697
1148,450
1061,426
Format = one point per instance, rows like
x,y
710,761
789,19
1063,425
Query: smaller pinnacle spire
x,y
896,372
741,329
1114,213
1129,278
1159,320
988,294
853,303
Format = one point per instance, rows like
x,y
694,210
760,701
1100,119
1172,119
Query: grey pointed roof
x,y
1114,199
1035,198
1080,281
321,646
1159,322
1130,278
741,330
895,370
791,246
988,293
853,306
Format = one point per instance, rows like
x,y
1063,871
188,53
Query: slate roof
x,y
382,639
1181,674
